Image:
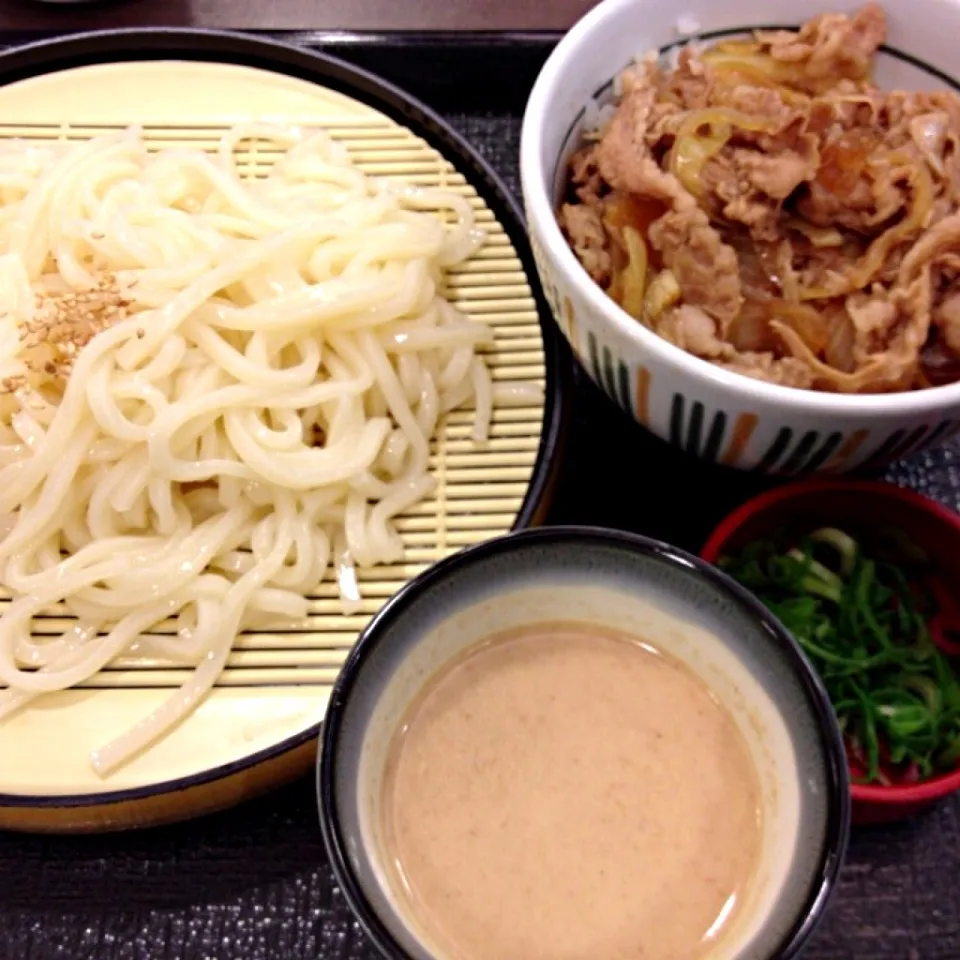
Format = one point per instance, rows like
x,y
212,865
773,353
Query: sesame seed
x,y
62,325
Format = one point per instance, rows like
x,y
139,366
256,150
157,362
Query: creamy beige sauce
x,y
567,793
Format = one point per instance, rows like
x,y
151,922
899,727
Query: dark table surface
x,y
377,15
252,883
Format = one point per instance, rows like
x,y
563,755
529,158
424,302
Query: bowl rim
x,y
539,203
894,795
838,805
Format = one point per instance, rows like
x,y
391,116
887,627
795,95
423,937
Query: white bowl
x,y
709,411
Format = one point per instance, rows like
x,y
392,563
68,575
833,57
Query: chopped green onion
x,y
862,620
845,546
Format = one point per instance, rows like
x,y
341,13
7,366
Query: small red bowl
x,y
853,503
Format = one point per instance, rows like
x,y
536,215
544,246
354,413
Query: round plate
x,y
259,725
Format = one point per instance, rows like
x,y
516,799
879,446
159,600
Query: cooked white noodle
x,y
266,363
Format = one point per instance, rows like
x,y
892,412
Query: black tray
x,y
253,883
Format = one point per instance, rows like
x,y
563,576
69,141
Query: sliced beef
x,y
872,318
830,47
689,328
785,371
588,185
705,267
692,330
584,229
761,103
774,176
624,157
932,257
854,186
751,186
938,241
946,316
690,86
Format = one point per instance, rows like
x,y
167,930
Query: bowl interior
x,y
580,74
629,584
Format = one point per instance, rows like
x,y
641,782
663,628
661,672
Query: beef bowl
x,y
749,230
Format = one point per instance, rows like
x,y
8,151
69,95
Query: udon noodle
x,y
213,388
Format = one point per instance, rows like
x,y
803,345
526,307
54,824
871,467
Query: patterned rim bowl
x,y
710,412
